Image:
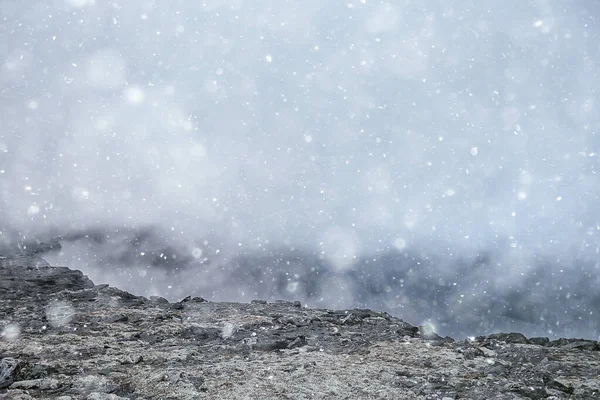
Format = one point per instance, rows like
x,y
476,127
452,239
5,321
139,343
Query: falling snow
x,y
423,131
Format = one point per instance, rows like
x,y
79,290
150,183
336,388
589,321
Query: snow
x,y
428,328
228,330
11,332
33,209
106,69
341,129
60,313
134,95
79,3
400,243
197,252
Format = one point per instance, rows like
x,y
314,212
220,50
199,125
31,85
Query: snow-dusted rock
x,y
110,344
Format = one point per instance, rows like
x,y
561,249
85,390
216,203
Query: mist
x,y
437,161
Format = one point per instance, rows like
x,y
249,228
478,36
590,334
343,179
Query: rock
x,y
158,300
7,372
104,396
487,352
93,383
16,395
575,344
69,339
541,341
36,384
18,281
509,337
583,345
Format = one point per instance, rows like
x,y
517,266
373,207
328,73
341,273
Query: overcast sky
x,y
346,127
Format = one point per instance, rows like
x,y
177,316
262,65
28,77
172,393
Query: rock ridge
x,y
63,337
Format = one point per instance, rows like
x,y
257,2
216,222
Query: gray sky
x,y
347,128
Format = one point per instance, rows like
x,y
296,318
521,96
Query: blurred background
x,y
436,160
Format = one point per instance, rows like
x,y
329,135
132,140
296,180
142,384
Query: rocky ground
x,y
65,338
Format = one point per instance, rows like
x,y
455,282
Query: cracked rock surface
x,y
65,338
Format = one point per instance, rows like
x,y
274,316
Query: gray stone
x,y
36,384
7,372
109,344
